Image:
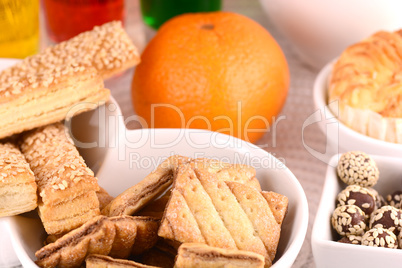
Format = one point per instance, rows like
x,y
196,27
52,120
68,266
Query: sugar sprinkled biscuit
x,y
225,214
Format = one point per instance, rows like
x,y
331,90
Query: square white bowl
x,y
122,158
331,254
342,137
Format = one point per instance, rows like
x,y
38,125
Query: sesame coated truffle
x,y
387,217
351,239
379,237
359,196
379,199
357,168
395,199
348,220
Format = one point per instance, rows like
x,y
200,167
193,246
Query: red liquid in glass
x,y
67,18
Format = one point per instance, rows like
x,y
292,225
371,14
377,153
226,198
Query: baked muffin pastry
x,y
366,86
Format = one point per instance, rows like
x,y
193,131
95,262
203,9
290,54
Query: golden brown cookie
x,y
104,198
153,185
193,255
224,214
101,261
115,236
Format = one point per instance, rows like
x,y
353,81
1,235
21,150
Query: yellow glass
x,y
19,28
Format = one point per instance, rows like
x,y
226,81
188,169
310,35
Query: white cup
x,y
321,30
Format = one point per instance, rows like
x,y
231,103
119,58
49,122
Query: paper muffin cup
x,y
369,123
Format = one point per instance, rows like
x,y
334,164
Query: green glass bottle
x,y
156,12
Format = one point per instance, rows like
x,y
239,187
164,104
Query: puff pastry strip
x,y
17,182
107,48
50,96
66,186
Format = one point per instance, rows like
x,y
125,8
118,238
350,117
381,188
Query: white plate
x,y
342,137
121,158
330,254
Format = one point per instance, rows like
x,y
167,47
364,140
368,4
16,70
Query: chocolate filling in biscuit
x,y
147,191
72,240
215,255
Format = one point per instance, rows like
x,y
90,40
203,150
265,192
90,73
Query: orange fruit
x,y
219,71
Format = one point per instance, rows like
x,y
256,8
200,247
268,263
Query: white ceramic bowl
x,y
330,254
321,30
121,158
340,136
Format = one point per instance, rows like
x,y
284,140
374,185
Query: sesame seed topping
x,y
108,43
55,173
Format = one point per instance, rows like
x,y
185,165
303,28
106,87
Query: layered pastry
x,y
365,87
139,195
101,261
193,255
66,186
48,97
46,88
107,48
118,237
17,182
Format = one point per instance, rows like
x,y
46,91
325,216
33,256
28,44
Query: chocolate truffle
x,y
358,196
387,217
351,239
395,199
348,220
379,199
379,237
357,168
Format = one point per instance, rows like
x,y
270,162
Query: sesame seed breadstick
x,y
47,97
17,182
66,186
41,89
107,48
